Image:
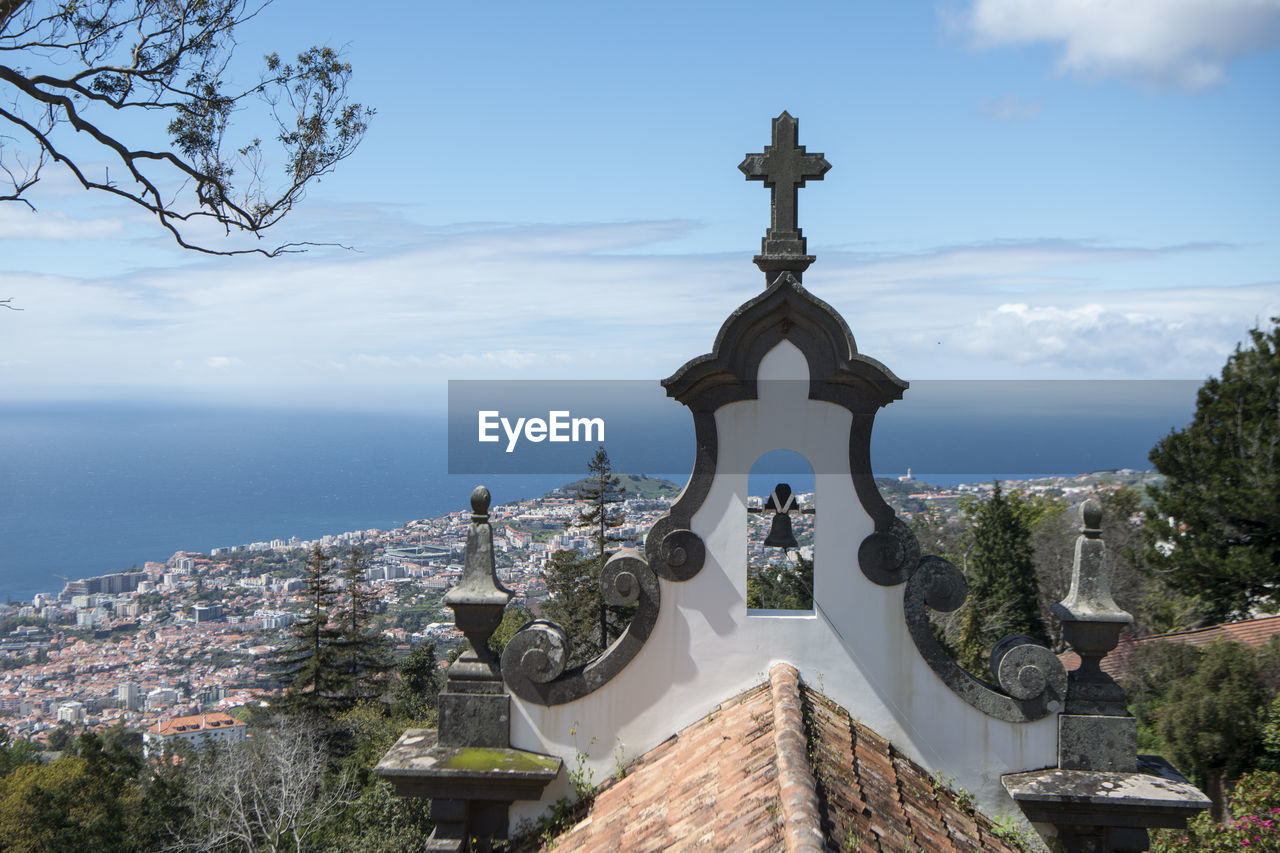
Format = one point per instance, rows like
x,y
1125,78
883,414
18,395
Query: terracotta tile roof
x,y
874,800
779,767
196,722
1251,632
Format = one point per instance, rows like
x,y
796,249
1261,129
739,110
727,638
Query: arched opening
x,y
780,515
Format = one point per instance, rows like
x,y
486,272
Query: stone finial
x,y
467,767
1091,516
480,500
478,600
784,166
1089,599
1102,796
1091,624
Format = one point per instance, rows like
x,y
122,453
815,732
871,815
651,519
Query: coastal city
x,y
190,637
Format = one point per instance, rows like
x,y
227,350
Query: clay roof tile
x,y
778,767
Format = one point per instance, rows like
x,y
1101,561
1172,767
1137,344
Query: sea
x,y
92,488
87,489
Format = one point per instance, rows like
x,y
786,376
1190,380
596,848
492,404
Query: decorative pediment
x,y
872,541
784,375
785,311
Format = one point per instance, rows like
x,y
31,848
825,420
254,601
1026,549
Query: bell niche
x,y
780,534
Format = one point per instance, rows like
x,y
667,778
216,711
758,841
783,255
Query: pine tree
x,y
362,656
1003,591
601,490
419,684
574,603
576,583
306,665
1216,532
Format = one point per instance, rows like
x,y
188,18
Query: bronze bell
x,y
780,533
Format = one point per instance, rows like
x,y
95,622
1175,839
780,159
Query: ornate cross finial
x,y
784,167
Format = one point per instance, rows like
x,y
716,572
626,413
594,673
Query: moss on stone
x,y
478,758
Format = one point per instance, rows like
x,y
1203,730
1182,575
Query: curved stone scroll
x,y
888,556
533,662
1033,682
680,552
672,550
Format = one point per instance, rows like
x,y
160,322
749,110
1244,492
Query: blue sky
x,y
1062,190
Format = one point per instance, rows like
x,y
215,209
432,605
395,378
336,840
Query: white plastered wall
x,y
854,647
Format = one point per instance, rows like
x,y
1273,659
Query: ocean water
x,y
91,488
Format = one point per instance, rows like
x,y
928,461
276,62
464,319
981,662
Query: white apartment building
x,y
161,697
197,730
71,712
128,696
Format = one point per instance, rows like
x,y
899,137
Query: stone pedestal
x,y
470,788
1090,742
475,719
467,768
1102,797
1097,811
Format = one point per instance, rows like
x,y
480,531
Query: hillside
x,y
636,485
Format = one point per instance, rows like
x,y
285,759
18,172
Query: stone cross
x,y
784,166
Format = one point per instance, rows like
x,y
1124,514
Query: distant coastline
x,y
509,489
91,488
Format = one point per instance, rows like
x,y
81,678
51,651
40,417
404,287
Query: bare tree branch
x,y
87,63
266,793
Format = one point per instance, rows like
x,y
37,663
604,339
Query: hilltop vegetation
x,y
635,486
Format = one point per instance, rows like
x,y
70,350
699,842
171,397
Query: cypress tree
x,y
1212,725
419,684
1003,590
574,603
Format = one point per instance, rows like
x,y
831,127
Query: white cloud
x,y
509,359
1001,263
1174,334
1011,107
1181,43
18,222
567,302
